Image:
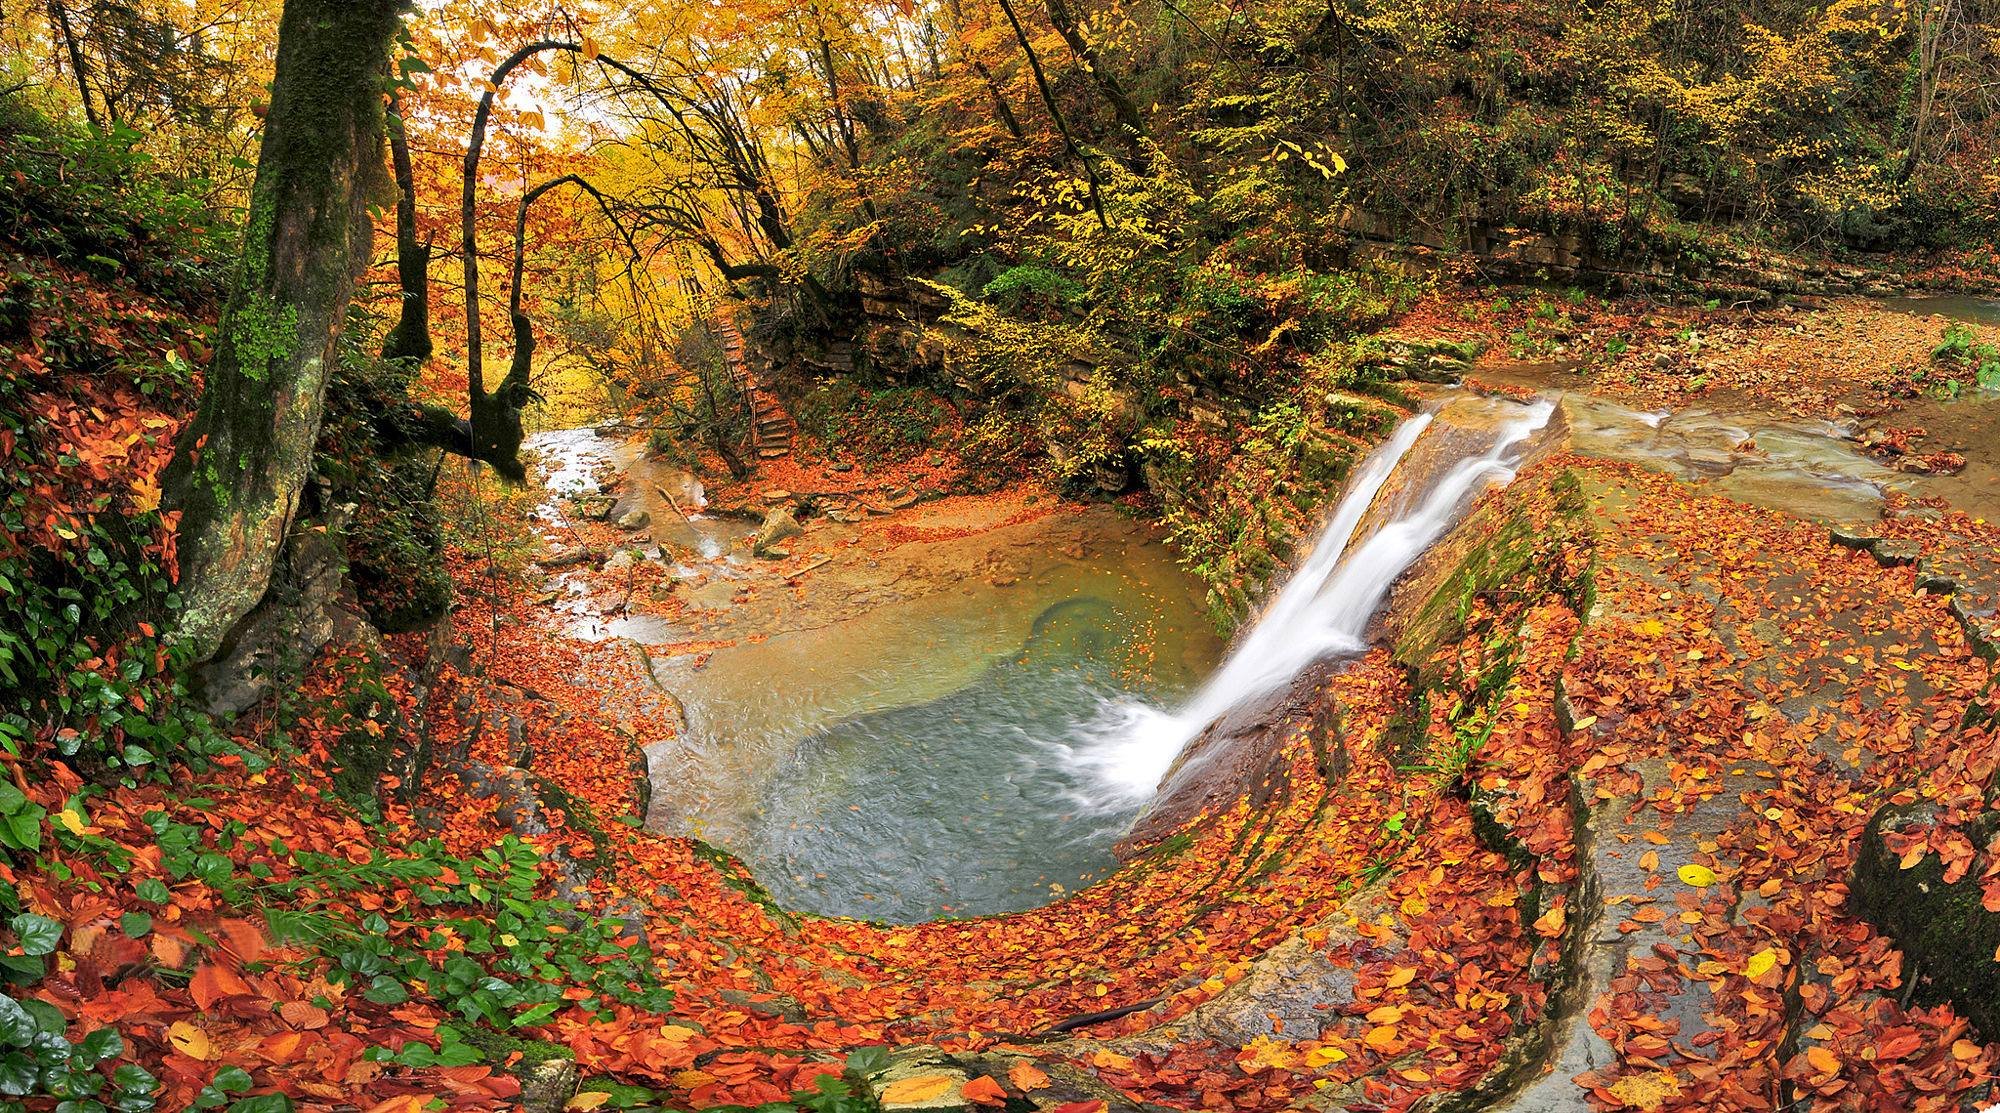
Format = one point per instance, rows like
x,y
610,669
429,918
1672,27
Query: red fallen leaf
x,y
303,1014
1898,1044
213,982
172,952
242,938
1080,1107
984,1090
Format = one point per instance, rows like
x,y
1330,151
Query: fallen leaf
x,y
1697,875
1027,1077
190,1041
918,1089
984,1090
1550,924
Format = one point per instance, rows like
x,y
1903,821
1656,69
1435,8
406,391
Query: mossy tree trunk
x,y
240,466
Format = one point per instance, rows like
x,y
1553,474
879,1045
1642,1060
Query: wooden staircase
x,y
771,428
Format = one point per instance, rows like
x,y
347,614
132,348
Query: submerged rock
x,y
636,519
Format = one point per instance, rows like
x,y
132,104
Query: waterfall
x,y
1323,610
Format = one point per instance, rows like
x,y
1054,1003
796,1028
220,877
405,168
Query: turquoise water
x,y
961,805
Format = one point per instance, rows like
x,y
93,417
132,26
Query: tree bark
x,y
241,464
411,338
59,15
1129,121
1055,112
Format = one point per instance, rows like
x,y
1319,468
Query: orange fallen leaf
x,y
917,1089
1822,1060
214,983
1111,1060
1027,1077
984,1090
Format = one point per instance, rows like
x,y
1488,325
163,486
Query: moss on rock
x,y
1943,927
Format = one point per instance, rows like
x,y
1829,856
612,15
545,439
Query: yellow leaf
x,y
918,1089
1652,628
1400,976
145,494
590,50
1551,922
590,1099
190,1041
72,819
1381,1039
677,1033
1324,1056
1760,963
1699,876
1265,1052
1385,1014
1648,1091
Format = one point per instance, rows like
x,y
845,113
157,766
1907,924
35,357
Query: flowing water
x,y
980,748
1327,604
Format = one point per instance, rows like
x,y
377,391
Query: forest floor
x,y
1690,709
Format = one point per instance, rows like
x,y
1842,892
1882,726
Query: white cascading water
x,y
1323,610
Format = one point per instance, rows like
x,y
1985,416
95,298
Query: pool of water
x,y
916,759
966,803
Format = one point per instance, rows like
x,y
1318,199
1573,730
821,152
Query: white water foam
x,y
1322,611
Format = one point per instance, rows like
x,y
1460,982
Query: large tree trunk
x,y
241,464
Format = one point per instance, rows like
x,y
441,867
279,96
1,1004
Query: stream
x,y
904,739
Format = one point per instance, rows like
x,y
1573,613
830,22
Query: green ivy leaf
x,y
385,990
98,1046
39,934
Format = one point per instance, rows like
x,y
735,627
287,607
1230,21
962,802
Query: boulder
x,y
635,519
548,1086
779,525
1943,926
